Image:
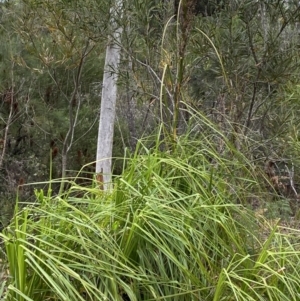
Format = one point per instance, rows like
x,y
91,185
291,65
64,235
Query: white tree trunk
x,y
108,100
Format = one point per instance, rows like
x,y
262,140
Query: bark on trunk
x,y
108,100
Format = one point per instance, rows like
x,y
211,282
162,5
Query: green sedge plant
x,y
172,228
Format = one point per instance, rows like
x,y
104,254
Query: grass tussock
x,y
175,227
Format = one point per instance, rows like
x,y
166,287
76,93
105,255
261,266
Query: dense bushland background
x,y
206,128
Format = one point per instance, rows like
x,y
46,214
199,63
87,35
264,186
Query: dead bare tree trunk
x,y
108,99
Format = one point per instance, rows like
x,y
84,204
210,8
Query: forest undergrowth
x,y
179,224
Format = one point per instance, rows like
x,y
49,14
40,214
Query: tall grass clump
x,y
173,228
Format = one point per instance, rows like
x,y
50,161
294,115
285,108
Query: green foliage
x,y
259,53
45,46
176,226
170,229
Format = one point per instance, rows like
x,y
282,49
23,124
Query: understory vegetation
x,y
204,203
177,226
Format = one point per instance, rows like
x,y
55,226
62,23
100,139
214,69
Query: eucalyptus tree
x,y
109,98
